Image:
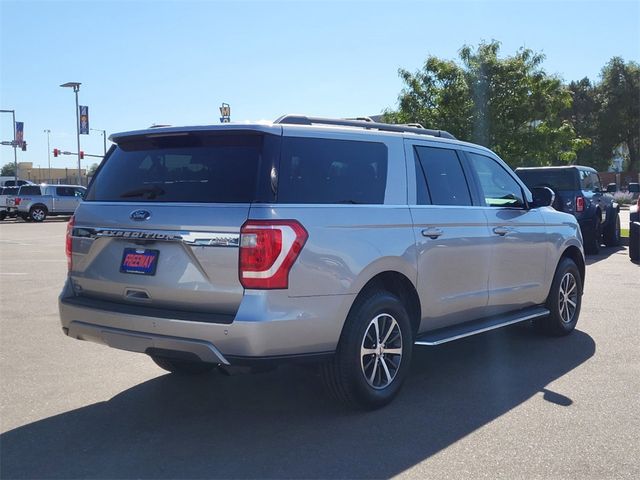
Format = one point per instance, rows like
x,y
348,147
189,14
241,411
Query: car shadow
x,y
605,252
282,425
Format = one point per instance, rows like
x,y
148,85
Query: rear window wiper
x,y
151,192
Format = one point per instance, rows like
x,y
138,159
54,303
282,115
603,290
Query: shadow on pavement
x,y
282,425
605,252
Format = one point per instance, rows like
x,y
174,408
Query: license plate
x,y
140,261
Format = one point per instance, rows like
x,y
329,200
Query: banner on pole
x,y
84,120
19,134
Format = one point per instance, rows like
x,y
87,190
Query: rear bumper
x,y
144,343
268,325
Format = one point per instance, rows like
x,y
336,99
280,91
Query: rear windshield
x,y
554,179
195,168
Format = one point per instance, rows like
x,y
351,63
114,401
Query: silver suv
x,y
342,242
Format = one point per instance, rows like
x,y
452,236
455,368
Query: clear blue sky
x,y
174,62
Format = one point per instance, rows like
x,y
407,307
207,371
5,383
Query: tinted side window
x,y
446,182
79,191
498,187
64,191
586,181
325,171
30,190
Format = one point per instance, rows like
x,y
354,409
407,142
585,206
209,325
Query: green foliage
x,y
511,105
8,170
507,104
619,112
92,170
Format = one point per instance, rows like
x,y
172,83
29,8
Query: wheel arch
x,y
39,205
572,252
399,285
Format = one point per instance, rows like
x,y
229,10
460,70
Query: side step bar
x,y
454,332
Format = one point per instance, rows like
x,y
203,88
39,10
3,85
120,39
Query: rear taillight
x,y
268,250
579,204
68,247
17,201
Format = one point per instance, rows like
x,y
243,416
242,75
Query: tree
x,y
507,104
8,170
619,115
583,115
92,170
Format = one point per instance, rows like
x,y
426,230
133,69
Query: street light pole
x,y
104,138
15,145
48,132
76,88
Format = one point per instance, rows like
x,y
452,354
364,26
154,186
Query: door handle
x,y
432,233
502,231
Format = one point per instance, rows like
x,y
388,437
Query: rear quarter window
x,y
330,171
30,190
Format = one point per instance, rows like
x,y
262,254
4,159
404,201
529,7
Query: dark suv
x,y
579,192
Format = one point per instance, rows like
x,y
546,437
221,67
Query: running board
x,y
454,332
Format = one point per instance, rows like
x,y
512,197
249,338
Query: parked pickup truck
x,y
36,202
5,193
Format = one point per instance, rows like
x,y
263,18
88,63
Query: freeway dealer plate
x,y
140,261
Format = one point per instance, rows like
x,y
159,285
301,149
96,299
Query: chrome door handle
x,y
502,231
432,233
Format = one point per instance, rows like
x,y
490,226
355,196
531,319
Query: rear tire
x,y
612,232
183,367
634,241
563,302
374,353
38,213
593,239
3,215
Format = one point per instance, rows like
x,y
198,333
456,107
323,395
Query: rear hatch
x,y
563,182
159,227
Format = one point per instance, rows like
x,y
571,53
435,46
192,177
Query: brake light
x,y
268,250
579,204
17,201
68,247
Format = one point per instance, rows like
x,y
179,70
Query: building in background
x,y
26,171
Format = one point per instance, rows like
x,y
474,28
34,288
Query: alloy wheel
x,y
568,297
381,351
38,214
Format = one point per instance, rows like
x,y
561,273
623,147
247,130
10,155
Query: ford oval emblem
x,y
140,215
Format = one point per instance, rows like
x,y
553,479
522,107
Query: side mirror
x,y
542,197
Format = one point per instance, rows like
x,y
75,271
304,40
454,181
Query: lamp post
x,y
76,88
14,144
104,138
48,132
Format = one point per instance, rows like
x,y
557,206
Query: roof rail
x,y
386,127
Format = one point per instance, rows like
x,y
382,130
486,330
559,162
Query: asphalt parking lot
x,y
506,404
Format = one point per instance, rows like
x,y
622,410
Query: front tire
x,y
564,301
182,367
374,353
